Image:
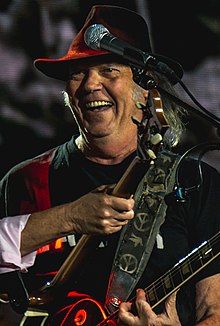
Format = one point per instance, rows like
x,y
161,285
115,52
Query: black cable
x,y
196,101
180,191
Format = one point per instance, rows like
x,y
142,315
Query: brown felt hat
x,y
123,23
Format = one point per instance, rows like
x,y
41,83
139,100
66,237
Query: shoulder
x,y
41,162
66,154
35,164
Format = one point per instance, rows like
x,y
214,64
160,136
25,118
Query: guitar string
x,y
173,271
176,270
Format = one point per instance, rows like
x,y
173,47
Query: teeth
x,y
96,104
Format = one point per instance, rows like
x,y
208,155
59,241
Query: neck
x,y
105,152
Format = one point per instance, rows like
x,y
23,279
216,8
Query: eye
x,y
110,71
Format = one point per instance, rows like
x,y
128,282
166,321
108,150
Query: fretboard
x,y
185,269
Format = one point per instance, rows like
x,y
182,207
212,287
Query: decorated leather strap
x,y
138,236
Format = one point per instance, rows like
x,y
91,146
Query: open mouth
x,y
98,105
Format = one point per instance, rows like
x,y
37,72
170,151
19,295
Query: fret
x,y
187,267
168,282
206,253
180,273
158,290
186,270
152,294
203,254
177,276
189,264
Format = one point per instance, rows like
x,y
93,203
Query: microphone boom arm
x,y
148,82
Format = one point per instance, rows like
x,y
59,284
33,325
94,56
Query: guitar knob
x,y
80,317
114,301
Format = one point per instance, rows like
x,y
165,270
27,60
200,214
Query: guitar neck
x,y
183,271
125,187
178,275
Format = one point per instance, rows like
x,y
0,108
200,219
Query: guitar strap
x,y
138,236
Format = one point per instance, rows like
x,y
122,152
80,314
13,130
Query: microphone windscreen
x,y
94,34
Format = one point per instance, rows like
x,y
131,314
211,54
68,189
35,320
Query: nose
x,y
92,81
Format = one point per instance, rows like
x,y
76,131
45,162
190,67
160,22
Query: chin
x,y
99,131
97,134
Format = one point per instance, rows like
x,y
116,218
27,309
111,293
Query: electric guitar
x,y
89,312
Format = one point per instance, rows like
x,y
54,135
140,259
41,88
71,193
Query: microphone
x,y
98,37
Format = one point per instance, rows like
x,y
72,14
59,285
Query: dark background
x,y
32,115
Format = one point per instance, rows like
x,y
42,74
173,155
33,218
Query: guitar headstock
x,y
152,127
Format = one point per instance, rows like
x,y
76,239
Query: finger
x,y
114,227
170,315
118,223
102,188
125,306
110,188
141,295
125,317
108,215
104,230
125,216
144,310
121,204
170,304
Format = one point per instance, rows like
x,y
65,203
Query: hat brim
x,y
60,68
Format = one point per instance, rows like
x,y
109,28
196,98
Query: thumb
x,y
170,303
103,189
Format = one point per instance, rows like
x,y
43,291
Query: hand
x,y
146,316
99,213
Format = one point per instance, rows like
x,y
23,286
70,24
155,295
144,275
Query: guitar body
x,y
85,312
89,312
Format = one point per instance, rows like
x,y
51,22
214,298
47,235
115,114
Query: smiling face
x,y
103,97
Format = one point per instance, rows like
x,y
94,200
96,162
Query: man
x,y
76,179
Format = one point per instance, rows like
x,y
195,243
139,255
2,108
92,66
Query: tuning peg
x,y
145,108
140,105
135,120
151,154
156,139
